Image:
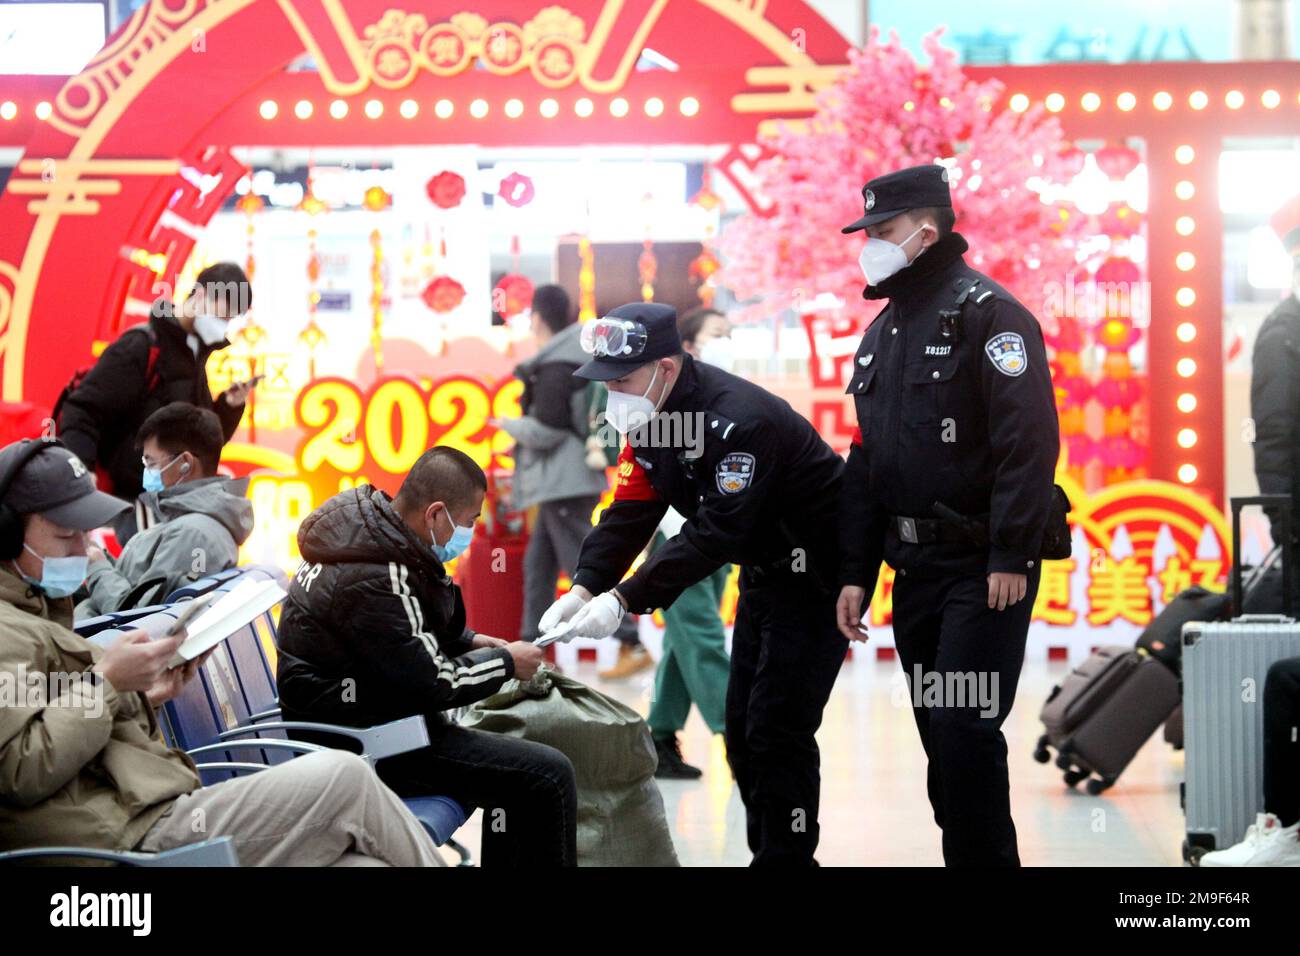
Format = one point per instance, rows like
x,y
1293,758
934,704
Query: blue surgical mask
x,y
60,577
456,545
153,480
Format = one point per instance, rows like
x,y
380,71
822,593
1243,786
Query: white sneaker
x,y
1241,853
1279,847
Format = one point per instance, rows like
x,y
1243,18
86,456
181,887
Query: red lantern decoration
x,y
446,189
1120,451
1121,222
1117,161
517,189
1077,388
1072,160
1079,449
1117,334
443,294
512,295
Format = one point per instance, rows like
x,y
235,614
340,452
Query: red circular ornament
x,y
443,294
446,189
512,295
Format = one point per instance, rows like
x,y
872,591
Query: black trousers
x,y
962,662
527,790
785,653
1281,747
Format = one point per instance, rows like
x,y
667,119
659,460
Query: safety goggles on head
x,y
613,338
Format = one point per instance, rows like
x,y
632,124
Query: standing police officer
x,y
949,479
758,487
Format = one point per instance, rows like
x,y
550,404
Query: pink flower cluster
x,y
886,111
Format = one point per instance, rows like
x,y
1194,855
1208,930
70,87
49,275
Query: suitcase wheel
x,y
1063,762
1041,753
1097,786
1072,777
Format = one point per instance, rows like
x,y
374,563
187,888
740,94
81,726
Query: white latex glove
x,y
598,618
562,610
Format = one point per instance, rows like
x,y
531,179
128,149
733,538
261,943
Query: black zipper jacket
x,y
966,419
99,421
762,492
374,629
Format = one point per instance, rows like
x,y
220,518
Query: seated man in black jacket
x,y
374,630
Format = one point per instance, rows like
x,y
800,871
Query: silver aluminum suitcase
x,y
1225,664
1224,667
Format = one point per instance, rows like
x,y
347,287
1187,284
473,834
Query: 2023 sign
x,y
380,433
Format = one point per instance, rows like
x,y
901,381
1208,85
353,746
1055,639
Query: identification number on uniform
x,y
1006,351
735,472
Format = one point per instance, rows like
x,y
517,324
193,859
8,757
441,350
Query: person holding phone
x,y
82,762
149,366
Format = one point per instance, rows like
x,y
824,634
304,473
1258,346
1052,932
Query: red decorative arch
x,y
133,161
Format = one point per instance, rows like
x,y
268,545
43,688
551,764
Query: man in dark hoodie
x,y
151,365
195,519
374,630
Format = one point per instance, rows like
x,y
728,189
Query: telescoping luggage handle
x,y
1283,504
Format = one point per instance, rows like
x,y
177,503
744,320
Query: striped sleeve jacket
x,y
373,628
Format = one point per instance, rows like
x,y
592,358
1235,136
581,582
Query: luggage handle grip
x,y
1263,619
1283,504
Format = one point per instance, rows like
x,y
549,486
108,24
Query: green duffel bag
x,y
621,819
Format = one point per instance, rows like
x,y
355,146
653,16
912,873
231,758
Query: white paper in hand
x,y
241,606
556,634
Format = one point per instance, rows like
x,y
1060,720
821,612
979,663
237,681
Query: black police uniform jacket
x,y
373,629
100,419
1275,405
762,492
967,420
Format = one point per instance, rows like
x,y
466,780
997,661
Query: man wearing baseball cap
x,y
949,479
757,487
82,762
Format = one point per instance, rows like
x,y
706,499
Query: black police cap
x,y
662,340
918,187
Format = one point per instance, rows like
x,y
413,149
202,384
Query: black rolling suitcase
x,y
1103,712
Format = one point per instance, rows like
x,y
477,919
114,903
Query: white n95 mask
x,y
881,258
629,412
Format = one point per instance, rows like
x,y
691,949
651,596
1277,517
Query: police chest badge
x,y
735,472
1006,351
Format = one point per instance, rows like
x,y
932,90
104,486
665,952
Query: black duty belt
x,y
927,531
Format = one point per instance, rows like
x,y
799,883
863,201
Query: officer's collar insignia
x,y
735,472
1006,351
868,200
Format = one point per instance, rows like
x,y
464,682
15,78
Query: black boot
x,y
671,765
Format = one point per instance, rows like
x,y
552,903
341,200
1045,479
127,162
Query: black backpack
x,y
152,377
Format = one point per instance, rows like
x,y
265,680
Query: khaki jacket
x,y
78,766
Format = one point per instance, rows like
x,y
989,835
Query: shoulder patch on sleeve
x,y
735,472
1006,351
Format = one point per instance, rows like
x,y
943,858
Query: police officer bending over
x,y
759,488
949,479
